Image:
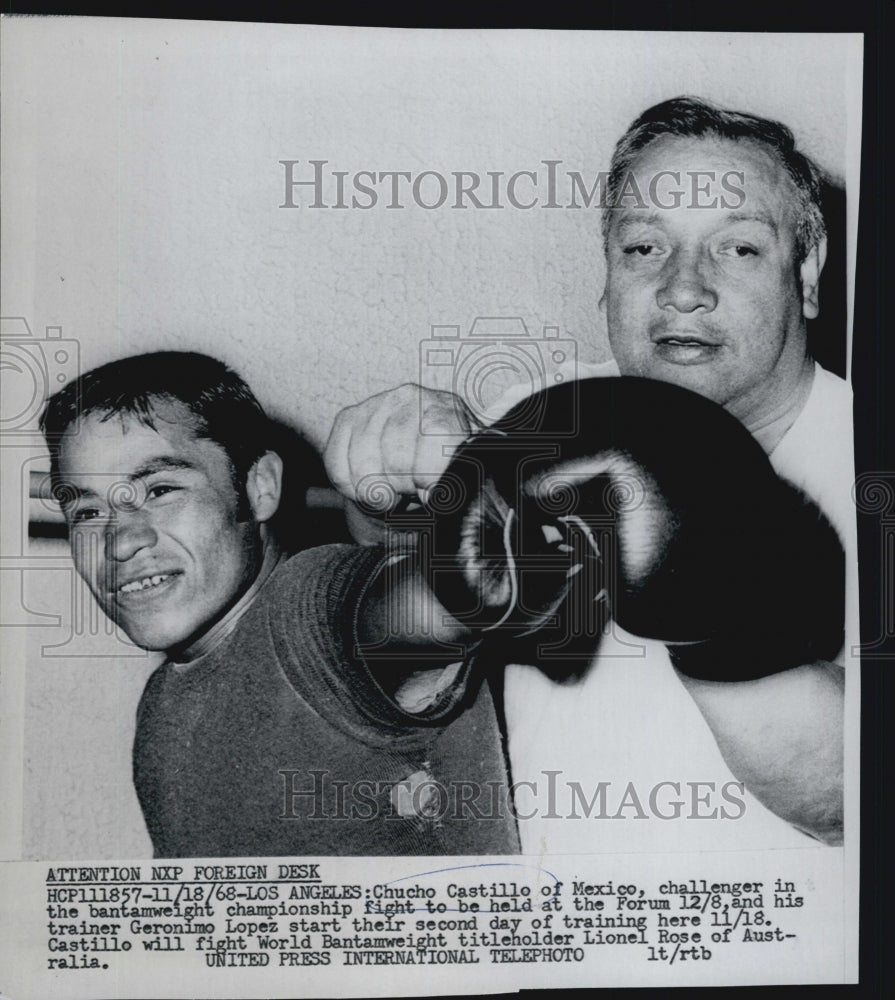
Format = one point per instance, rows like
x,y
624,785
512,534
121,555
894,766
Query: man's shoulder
x,y
817,453
313,560
321,565
298,586
831,389
825,420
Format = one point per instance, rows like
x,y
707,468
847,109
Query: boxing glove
x,y
643,501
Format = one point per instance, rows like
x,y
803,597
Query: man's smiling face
x,y
153,522
712,298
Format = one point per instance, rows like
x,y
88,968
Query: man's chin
x,y
154,638
151,643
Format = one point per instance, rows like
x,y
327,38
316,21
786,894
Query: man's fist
x,y
392,446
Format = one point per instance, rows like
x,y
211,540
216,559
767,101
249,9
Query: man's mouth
x,y
685,348
143,584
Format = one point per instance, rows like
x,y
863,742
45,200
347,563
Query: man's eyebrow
x,y
161,463
761,217
67,493
632,218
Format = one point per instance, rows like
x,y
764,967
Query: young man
x,y
263,733
708,287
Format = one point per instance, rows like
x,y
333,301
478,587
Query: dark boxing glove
x,y
648,502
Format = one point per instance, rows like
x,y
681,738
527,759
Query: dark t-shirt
x,y
281,742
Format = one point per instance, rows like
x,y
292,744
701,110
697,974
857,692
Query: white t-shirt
x,y
627,740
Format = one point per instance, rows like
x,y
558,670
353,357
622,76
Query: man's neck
x,y
215,635
769,424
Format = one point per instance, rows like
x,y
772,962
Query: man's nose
x,y
131,531
686,286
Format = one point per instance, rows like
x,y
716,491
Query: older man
x,y
709,283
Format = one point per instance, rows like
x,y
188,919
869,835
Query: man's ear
x,y
264,484
809,274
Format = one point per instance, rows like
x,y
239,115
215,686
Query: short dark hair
x,y
692,117
224,408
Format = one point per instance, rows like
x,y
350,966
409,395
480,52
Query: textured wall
x,y
141,191
146,185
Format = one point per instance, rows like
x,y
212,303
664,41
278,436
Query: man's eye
x,y
84,514
160,490
641,250
740,250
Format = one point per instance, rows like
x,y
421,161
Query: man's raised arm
x,y
732,568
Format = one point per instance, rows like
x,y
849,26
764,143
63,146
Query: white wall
x,y
145,182
141,187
